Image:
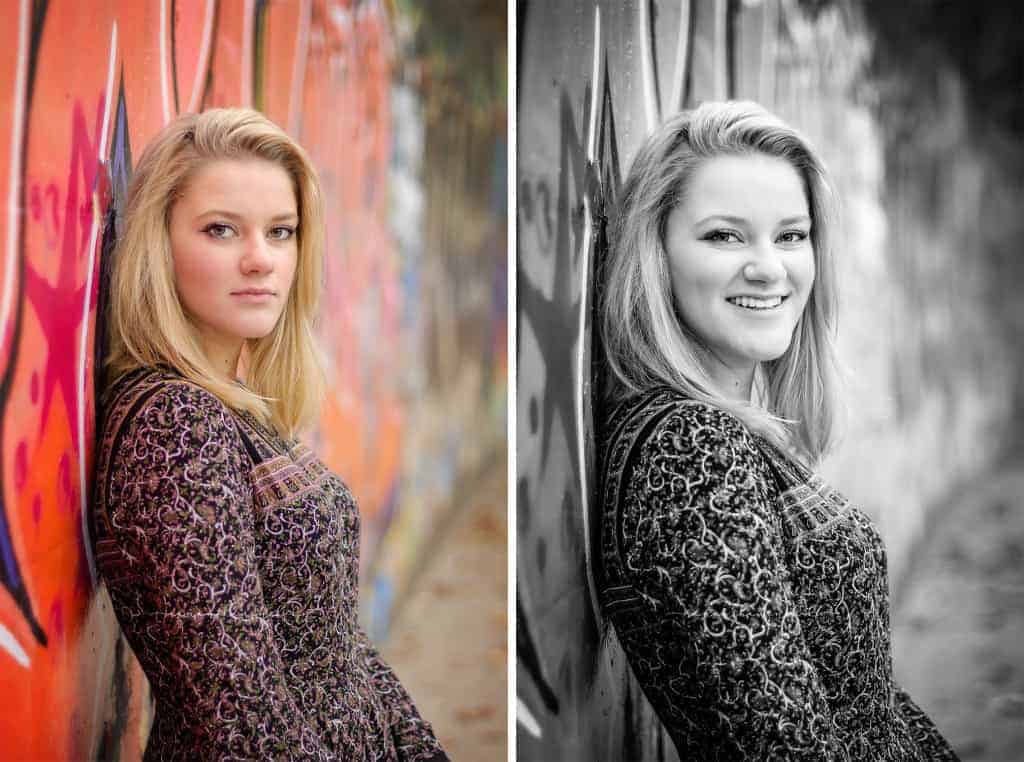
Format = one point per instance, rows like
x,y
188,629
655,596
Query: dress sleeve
x,y
726,655
923,730
181,508
414,738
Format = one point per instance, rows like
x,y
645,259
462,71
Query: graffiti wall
x,y
594,79
85,86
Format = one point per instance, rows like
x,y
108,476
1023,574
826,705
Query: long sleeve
x,y
190,600
414,738
927,736
725,662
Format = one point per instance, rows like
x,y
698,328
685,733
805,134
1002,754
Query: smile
x,y
757,302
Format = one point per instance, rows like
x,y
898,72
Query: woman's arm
x,y
726,658
923,730
414,738
192,605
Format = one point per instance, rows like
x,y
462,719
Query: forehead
x,y
244,184
754,186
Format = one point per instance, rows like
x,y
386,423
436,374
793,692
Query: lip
x,y
254,292
255,296
758,297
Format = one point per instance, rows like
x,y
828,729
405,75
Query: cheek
x,y
197,274
293,263
289,267
694,280
802,275
806,273
193,273
185,264
187,267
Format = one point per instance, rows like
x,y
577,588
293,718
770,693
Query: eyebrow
x,y
232,216
740,221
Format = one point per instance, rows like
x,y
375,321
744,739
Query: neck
x,y
733,383
224,359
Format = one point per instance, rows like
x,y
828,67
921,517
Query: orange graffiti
x,y
72,116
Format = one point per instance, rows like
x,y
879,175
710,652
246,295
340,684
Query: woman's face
x,y
741,259
234,245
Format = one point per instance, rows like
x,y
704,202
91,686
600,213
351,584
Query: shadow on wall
x,y
72,116
593,79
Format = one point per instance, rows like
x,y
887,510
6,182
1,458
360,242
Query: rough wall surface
x,y
85,86
594,78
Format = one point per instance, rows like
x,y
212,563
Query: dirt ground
x,y
449,643
958,626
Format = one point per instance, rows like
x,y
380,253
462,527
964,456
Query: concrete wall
x,y
85,85
924,380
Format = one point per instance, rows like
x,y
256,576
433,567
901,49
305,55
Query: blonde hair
x,y
148,325
647,343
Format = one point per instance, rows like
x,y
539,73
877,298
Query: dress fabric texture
x,y
750,598
231,557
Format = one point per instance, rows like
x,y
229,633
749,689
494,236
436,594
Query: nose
x,y
257,257
765,265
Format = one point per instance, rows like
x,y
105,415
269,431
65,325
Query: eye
x,y
722,236
793,236
219,230
282,233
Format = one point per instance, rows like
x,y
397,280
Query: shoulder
x,y
172,444
707,445
697,482
162,407
704,427
668,418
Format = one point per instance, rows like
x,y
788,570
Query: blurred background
x,y
402,105
917,110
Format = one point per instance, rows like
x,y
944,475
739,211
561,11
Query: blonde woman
x,y
750,598
229,551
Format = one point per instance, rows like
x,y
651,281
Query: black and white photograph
x,y
769,487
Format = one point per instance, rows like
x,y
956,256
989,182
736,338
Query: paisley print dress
x,y
750,598
231,559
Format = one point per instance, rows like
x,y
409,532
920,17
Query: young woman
x,y
230,553
750,598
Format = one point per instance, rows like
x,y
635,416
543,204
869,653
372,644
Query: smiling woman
x,y
741,262
230,552
750,598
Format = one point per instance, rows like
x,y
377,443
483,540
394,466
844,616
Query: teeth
x,y
756,303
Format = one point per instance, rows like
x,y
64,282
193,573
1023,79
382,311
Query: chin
x,y
257,335
256,329
768,352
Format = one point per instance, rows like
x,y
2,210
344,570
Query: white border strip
x,y
582,377
14,172
652,109
165,63
97,216
511,221
8,642
675,95
203,64
248,25
11,645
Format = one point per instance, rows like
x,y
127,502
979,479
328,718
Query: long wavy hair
x,y
147,324
646,341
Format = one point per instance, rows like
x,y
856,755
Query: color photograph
x,y
254,380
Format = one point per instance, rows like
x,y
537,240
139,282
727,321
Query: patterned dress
x,y
231,558
750,598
